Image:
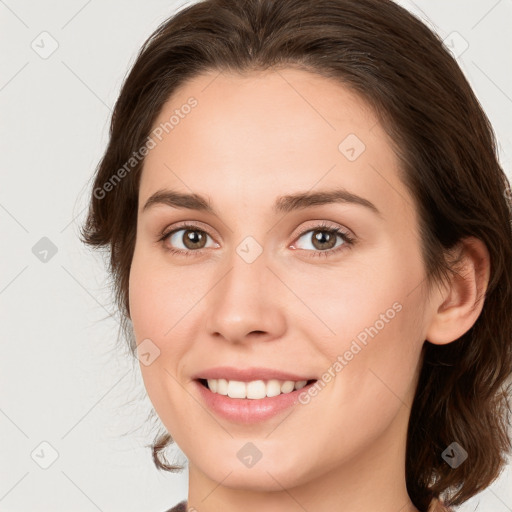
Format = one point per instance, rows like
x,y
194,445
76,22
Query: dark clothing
x,y
180,507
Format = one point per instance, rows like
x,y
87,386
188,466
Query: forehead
x,y
270,132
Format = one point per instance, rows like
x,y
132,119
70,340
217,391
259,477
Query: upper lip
x,y
248,374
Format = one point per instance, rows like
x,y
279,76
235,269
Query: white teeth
x,y
222,386
254,389
287,386
272,388
236,389
212,384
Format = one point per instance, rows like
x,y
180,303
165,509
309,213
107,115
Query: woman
x,y
311,246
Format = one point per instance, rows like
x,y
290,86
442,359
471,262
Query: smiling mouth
x,y
258,390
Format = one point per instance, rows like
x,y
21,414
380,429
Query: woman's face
x,y
263,282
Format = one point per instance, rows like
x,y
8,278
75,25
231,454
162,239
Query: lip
x,y
247,410
248,374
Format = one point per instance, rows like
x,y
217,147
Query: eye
x,y
324,238
191,238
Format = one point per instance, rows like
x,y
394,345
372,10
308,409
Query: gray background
x,y
62,381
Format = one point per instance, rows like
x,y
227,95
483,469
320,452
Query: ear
x,y
459,305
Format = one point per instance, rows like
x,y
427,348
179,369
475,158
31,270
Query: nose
x,y
247,302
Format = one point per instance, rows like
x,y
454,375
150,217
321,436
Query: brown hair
x,y
449,163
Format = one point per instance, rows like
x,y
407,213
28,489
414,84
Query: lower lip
x,y
246,410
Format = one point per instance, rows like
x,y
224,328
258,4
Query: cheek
x,y
164,317
373,332
145,303
371,370
154,311
157,300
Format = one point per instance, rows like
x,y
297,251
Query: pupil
x,y
193,237
324,237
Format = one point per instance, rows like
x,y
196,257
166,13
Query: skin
x,y
249,140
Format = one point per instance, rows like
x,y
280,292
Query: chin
x,y
257,481
263,476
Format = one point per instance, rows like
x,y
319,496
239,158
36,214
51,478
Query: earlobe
x,y
459,305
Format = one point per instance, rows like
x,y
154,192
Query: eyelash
x,y
348,240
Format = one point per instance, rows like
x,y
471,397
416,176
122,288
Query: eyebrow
x,y
283,204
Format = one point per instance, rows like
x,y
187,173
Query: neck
x,y
369,481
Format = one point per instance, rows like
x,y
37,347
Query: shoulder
x,y
180,507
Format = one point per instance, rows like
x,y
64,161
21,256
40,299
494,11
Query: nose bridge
x,y
245,298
